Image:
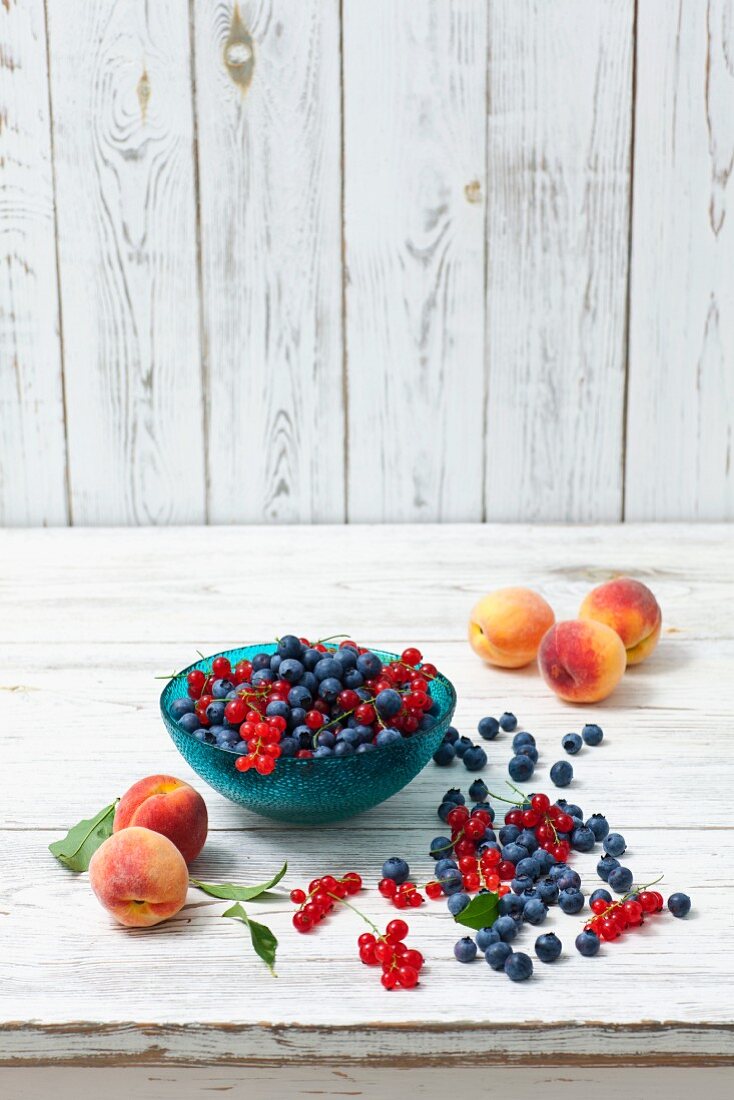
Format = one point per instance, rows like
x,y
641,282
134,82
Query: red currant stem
x,y
200,654
454,842
330,638
359,912
517,790
172,676
500,798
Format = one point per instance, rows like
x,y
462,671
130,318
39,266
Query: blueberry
x,y
452,881
523,738
543,858
395,868
475,758
327,738
329,688
388,703
289,646
261,661
529,751
445,808
614,844
582,839
275,662
264,676
518,967
528,840
571,901
598,825
485,937
444,865
296,718
488,728
290,670
528,866
366,746
511,905
548,947
289,746
454,795
343,748
508,722
548,892
561,773
388,736
278,709
679,904
325,750
620,880
506,928
309,658
514,853
444,755
571,742
573,810
508,833
328,669
587,943
521,883
557,872
605,866
346,656
457,902
189,722
465,950
182,706
215,713
520,768
369,664
440,846
569,880
592,734
535,911
478,791
201,735
353,679
462,744
600,893
497,954
221,688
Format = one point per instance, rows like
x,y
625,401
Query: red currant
x,y
314,720
541,803
434,890
365,714
221,668
397,929
301,921
411,656
298,897
195,681
387,887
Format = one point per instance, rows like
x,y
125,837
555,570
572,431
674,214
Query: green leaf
x,y
231,892
82,841
481,912
263,940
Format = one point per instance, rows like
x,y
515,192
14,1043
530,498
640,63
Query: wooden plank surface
x,y
270,178
32,442
414,195
123,141
83,633
558,150
681,377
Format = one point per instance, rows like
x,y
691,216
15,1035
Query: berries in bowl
x,y
308,733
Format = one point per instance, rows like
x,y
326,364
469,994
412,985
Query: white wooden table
x,y
89,616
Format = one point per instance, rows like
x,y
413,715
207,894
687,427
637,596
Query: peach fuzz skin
x,y
581,660
630,608
139,877
168,806
505,627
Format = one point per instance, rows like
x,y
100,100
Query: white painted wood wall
x,y
303,260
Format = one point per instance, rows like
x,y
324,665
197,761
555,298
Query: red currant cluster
x,y
401,965
323,894
315,705
546,821
404,896
611,919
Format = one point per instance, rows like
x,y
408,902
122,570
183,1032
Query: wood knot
x,y
473,191
239,52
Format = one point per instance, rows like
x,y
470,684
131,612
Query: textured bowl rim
x,y
291,761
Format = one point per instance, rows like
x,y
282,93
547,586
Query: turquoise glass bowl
x,y
310,792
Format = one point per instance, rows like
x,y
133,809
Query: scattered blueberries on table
x,y
614,844
521,768
572,743
561,773
508,722
518,966
548,947
465,950
396,869
620,879
588,943
605,866
488,728
497,954
598,825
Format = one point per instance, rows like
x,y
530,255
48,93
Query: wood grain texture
x,y
414,162
32,442
270,179
558,149
188,992
121,96
681,369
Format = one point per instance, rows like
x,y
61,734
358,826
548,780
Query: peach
x,y
630,608
505,627
168,806
582,660
139,876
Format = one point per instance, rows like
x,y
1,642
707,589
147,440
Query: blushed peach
x,y
581,660
139,876
630,608
168,806
506,626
